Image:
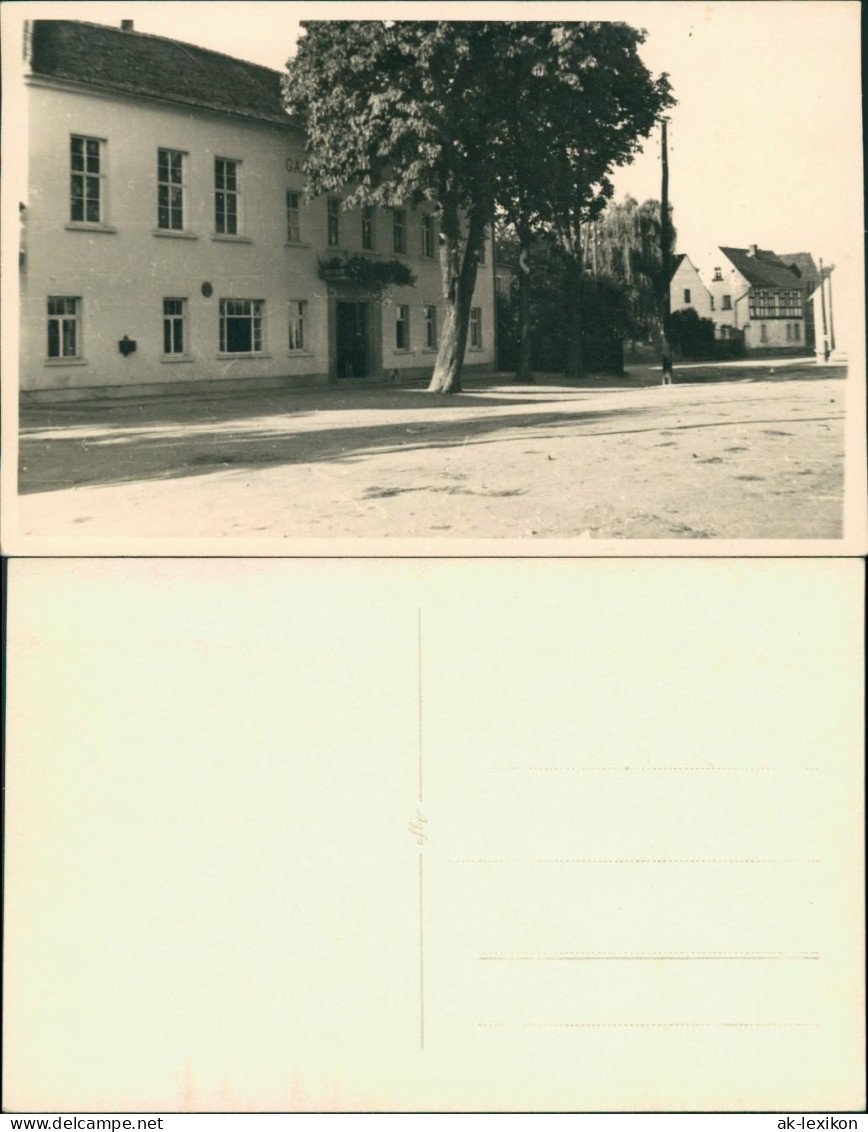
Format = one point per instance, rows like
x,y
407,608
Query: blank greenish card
x,y
417,835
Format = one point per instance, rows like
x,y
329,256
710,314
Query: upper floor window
x,y
227,190
428,236
241,326
402,328
718,275
293,216
773,303
297,312
170,189
64,339
687,294
711,299
476,328
334,221
174,330
368,227
86,180
726,303
399,230
431,328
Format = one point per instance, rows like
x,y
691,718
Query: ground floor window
x,y
297,310
431,328
174,317
402,328
764,332
64,337
476,328
797,331
241,326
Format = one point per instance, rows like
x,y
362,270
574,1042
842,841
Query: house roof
x,y
677,260
765,269
134,63
804,261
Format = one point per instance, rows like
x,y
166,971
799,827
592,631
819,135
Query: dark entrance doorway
x,y
353,359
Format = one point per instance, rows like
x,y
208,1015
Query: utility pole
x,y
665,240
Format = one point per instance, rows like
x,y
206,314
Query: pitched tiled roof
x,y
765,269
804,261
130,62
676,263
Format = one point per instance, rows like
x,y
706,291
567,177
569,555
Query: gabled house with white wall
x,y
755,294
686,289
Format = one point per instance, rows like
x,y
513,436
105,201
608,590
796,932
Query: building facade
x,y
756,295
167,238
687,290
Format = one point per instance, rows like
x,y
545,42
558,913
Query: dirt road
x,y
737,453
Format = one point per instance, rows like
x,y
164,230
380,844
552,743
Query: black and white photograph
x,y
588,280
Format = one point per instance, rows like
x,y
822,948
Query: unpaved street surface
x,y
727,452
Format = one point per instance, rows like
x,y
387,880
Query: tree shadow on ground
x,y
58,460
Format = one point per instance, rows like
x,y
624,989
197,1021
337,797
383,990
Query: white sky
x,y
765,141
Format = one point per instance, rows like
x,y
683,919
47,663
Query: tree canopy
x,y
466,115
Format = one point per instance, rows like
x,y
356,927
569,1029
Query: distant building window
x,y
293,216
764,336
334,222
476,328
241,326
64,339
402,328
368,227
718,275
726,303
480,259
297,311
711,298
170,189
687,294
789,331
797,331
226,193
428,236
399,231
174,318
86,180
431,328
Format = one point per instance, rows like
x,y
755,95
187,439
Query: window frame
x,y
62,318
333,222
726,302
428,233
368,228
256,319
172,321
431,333
296,326
399,231
169,185
475,328
293,213
402,327
687,295
87,175
233,194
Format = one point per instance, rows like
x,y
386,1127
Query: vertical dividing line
x,y
419,692
421,878
421,959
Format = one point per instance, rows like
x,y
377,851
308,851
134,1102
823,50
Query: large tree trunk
x,y
575,362
523,371
458,263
